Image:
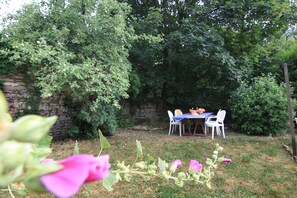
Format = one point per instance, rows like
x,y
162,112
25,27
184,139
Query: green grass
x,y
260,168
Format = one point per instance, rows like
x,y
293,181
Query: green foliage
x,y
45,141
78,50
146,56
205,48
6,68
198,58
260,108
124,119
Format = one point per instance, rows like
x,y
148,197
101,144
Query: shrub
x,y
260,107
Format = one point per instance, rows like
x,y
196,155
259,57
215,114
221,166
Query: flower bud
x,y
118,177
181,175
13,154
152,167
215,152
174,165
214,156
31,128
8,118
151,172
141,165
220,148
208,185
221,159
209,161
180,183
4,130
122,166
165,175
215,166
196,178
127,177
211,174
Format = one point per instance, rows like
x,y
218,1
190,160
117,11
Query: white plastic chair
x,y
177,112
172,124
217,123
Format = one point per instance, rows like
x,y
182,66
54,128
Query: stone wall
x,y
16,93
144,113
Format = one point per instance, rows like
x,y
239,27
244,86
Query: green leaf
x,y
41,152
150,159
3,105
103,141
45,141
109,181
76,148
139,149
161,164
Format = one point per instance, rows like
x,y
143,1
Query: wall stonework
x,y
144,113
16,94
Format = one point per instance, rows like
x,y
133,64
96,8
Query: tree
x,y
190,49
205,45
78,49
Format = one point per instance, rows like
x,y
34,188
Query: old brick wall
x,y
144,113
17,93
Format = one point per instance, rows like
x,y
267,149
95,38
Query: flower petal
x,y
99,168
227,161
195,166
67,181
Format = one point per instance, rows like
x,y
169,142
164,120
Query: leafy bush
x,y
60,50
260,108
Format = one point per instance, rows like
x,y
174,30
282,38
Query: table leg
x,y
188,125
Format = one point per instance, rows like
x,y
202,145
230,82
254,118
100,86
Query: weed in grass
x,y
272,151
219,181
246,158
170,191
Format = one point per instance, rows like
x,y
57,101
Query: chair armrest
x,y
211,117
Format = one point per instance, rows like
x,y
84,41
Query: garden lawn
x,y
260,166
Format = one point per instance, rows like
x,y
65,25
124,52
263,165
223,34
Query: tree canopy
x,y
169,52
78,49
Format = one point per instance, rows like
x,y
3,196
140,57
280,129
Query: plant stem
x,y
10,192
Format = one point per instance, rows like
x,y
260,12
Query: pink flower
x,y
76,171
227,161
174,165
195,166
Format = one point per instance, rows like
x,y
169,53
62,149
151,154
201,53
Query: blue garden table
x,y
196,117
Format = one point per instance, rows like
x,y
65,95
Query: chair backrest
x,y
221,116
178,112
170,114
